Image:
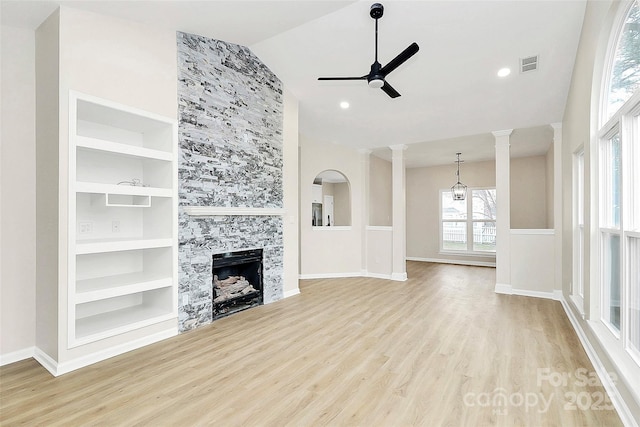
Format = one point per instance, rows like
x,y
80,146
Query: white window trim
x,y
616,333
633,352
621,123
577,286
468,220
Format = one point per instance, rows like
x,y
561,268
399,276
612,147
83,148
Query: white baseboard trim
x,y
329,275
16,356
377,275
399,277
608,383
291,292
502,288
453,261
58,369
46,361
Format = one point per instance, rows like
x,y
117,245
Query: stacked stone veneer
x,y
230,136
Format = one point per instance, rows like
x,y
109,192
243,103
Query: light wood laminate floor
x,y
441,349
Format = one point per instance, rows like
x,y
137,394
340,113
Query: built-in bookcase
x,y
123,219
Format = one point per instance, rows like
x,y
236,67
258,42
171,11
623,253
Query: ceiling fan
x,y
378,73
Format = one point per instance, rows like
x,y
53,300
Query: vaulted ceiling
x,y
451,97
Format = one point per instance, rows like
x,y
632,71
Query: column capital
x,y
505,132
364,151
556,126
399,147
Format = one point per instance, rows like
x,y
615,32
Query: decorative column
x,y
399,223
557,205
365,163
503,212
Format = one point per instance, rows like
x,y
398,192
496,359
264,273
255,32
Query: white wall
x,y
379,251
550,192
290,182
532,261
329,251
18,199
380,192
47,185
528,192
119,60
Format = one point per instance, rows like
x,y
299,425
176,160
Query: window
x,y
625,72
610,221
468,225
618,191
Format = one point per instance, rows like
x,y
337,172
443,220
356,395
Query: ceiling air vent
x,y
530,63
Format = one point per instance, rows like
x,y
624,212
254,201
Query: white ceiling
x,y
451,97
236,21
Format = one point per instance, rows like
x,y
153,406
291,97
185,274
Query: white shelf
x,y
123,284
103,325
98,188
112,245
119,148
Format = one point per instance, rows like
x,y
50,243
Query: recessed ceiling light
x,y
504,72
344,105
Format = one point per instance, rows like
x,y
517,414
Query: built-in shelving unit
x,y
122,220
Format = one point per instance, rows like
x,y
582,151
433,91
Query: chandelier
x,y
459,190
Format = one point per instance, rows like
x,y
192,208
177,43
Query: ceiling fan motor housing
x,y
376,11
375,79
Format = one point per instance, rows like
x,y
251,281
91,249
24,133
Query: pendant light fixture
x,y
459,190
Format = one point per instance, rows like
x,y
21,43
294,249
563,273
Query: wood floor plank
x,y
441,349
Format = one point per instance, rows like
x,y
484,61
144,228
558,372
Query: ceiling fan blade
x,y
386,87
400,59
343,78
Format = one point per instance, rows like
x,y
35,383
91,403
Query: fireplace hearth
x,y
237,282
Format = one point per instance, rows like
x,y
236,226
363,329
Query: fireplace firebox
x,y
237,281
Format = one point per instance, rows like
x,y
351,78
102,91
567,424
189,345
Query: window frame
x,y
624,123
469,221
605,122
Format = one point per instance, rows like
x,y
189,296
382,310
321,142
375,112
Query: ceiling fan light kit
x,y
378,73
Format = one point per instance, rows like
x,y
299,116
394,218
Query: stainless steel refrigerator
x,y
316,214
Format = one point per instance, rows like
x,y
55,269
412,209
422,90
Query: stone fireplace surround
x,y
230,168
201,237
